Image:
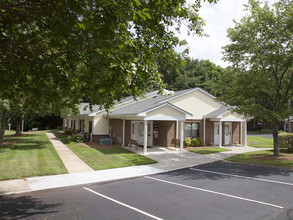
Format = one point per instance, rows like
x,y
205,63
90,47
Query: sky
x,y
218,18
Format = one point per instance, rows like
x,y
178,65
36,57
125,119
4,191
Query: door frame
x,y
228,136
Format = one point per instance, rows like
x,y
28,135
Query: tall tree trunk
x,y
276,139
18,126
3,124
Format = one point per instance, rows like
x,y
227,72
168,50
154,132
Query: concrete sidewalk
x,y
167,161
71,161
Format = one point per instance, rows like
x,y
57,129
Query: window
x,y
191,130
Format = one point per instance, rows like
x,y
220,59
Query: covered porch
x,y
153,127
222,127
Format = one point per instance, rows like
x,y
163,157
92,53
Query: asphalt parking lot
x,y
213,191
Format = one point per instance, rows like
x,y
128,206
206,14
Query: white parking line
x,y
123,204
214,192
243,177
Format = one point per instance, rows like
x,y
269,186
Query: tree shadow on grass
x,y
24,207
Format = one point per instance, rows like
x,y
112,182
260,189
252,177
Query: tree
x,y
261,52
187,73
66,50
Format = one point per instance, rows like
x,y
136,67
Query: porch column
x,y
245,134
145,137
176,129
181,135
241,141
204,130
220,133
123,132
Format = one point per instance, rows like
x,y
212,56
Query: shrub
x,y
201,142
67,132
59,128
187,142
193,142
79,138
286,141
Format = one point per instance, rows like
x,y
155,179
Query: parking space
x,y
213,191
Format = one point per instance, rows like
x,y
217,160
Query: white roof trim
x,y
187,114
192,90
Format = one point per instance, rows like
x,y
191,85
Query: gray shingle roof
x,y
218,112
146,104
84,108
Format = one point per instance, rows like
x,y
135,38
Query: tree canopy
x,y
261,52
57,52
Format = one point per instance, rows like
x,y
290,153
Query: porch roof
x,y
144,108
218,113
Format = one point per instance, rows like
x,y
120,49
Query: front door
x,y
228,133
216,133
137,132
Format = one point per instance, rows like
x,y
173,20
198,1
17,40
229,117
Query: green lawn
x,y
208,150
100,159
29,155
105,158
248,158
259,142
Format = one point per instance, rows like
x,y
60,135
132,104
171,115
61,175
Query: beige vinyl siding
x,y
197,103
165,111
231,116
101,124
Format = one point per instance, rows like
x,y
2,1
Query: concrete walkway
x,y
168,160
70,160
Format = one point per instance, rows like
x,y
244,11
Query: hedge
x,y
286,141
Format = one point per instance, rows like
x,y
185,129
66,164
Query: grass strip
x,y
208,150
253,158
259,142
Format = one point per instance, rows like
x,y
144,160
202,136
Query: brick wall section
x,y
235,132
209,132
127,131
167,131
117,129
171,132
96,137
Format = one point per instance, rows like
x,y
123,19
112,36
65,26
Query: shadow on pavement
x,y
12,207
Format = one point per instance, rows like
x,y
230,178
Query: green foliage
x,y
185,73
67,132
79,138
201,142
261,52
194,142
186,142
59,53
286,141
